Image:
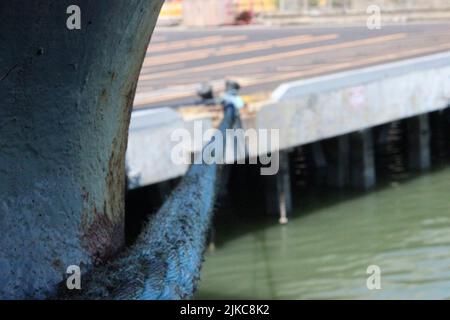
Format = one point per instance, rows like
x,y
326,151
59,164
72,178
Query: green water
x,y
324,251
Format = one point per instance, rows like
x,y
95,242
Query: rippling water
x,y
324,252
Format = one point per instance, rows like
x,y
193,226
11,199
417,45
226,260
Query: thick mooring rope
x,y
165,261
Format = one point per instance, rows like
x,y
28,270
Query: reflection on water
x,y
324,252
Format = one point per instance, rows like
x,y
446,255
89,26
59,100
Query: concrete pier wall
x,y
314,109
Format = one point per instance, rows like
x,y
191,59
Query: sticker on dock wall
x,y
357,97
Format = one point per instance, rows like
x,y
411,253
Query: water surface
x,y
324,251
